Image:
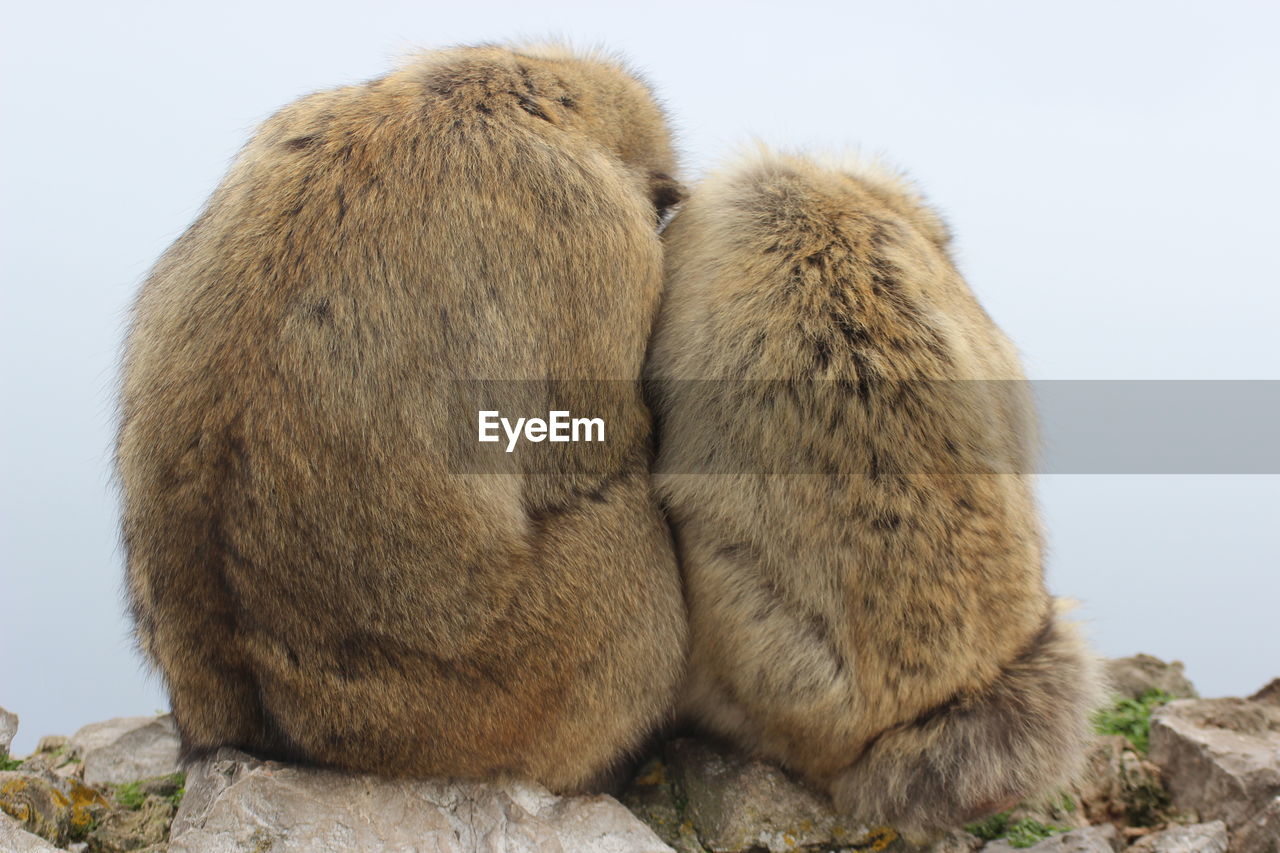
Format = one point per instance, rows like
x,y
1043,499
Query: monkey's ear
x,y
665,192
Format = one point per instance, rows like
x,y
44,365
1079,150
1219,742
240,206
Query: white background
x,y
1110,170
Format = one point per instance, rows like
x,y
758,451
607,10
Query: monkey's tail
x,y
982,752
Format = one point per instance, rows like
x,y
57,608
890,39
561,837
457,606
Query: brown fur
x,y
857,529
310,566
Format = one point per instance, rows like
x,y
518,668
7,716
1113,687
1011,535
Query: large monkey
x,y
321,563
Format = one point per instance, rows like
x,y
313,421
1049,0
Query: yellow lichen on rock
x,y
41,807
654,774
880,838
87,807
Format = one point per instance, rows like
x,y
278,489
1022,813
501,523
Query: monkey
x,y
321,563
844,450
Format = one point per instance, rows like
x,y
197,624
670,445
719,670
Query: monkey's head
x,y
597,94
590,94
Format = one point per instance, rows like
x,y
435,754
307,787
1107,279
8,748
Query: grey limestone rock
x,y
235,803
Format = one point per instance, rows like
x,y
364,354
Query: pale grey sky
x,y
1109,168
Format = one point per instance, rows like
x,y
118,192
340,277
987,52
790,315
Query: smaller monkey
x,y
844,449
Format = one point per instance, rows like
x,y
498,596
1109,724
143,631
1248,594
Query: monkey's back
x,y
846,466
314,563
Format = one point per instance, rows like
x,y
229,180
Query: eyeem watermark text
x,y
558,426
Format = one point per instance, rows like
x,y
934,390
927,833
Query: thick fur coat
x,y
844,450
314,564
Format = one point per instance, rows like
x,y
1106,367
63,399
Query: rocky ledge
x,y
1170,773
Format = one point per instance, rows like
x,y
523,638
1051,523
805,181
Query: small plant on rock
x,y
130,795
991,828
1024,832
1131,718
175,799
1029,832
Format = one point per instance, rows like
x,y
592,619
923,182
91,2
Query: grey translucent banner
x,y
1158,427
875,428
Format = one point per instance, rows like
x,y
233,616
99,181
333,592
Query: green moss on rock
x,y
1131,718
1024,832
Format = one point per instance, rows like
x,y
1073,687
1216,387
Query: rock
x,y
125,830
1261,833
63,810
15,839
8,729
1269,694
1089,839
600,824
1133,676
163,786
126,749
1219,757
651,797
98,735
55,809
51,756
737,804
69,770
38,804
52,743
1062,811
236,803
956,841
1198,838
1120,786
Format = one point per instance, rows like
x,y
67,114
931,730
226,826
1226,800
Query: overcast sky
x,y
1110,171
